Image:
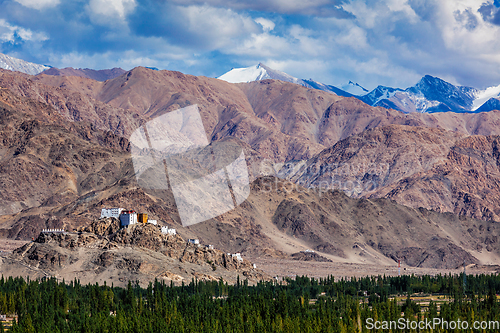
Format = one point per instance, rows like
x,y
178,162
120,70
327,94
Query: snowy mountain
x,y
14,64
432,94
262,72
256,73
354,88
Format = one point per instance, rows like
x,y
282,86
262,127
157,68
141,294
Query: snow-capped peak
x,y
256,73
482,96
262,72
430,94
354,88
14,64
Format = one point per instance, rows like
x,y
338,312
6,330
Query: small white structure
x,y
194,241
254,266
153,222
210,247
111,212
237,256
53,231
3,317
128,218
308,251
168,231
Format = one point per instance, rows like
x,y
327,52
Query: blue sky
x,y
372,42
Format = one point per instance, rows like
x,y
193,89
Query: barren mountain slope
x,y
281,120
43,163
73,100
357,230
467,182
280,219
60,173
416,166
223,106
98,75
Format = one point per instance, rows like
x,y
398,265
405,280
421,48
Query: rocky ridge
x,y
417,167
103,251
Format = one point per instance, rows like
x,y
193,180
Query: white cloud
x,y
38,4
104,11
126,60
266,24
8,33
216,27
261,46
389,42
307,7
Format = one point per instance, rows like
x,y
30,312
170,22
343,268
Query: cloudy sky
x,y
388,42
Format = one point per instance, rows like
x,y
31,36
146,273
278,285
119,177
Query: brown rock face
x,y
103,227
48,165
372,229
418,167
309,256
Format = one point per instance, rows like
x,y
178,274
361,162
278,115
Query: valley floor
x,y
290,268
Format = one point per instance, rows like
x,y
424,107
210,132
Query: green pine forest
x,y
301,304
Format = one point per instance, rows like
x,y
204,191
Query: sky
x,y
371,42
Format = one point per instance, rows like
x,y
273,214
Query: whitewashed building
x,y
237,256
111,212
194,241
53,231
155,222
168,231
127,218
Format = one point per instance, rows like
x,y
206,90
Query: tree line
x,y
301,304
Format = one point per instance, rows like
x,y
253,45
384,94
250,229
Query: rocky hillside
x,y
137,253
415,166
45,162
280,219
98,75
64,155
366,230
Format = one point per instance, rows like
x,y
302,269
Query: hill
x,y
137,253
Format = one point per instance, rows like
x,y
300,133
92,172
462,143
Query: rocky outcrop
x,y
139,249
309,256
102,227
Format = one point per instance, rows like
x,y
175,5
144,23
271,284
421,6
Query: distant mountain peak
x,y
433,94
429,94
355,84
256,73
18,65
263,72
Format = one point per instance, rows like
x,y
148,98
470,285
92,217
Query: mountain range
x,y
419,186
430,94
